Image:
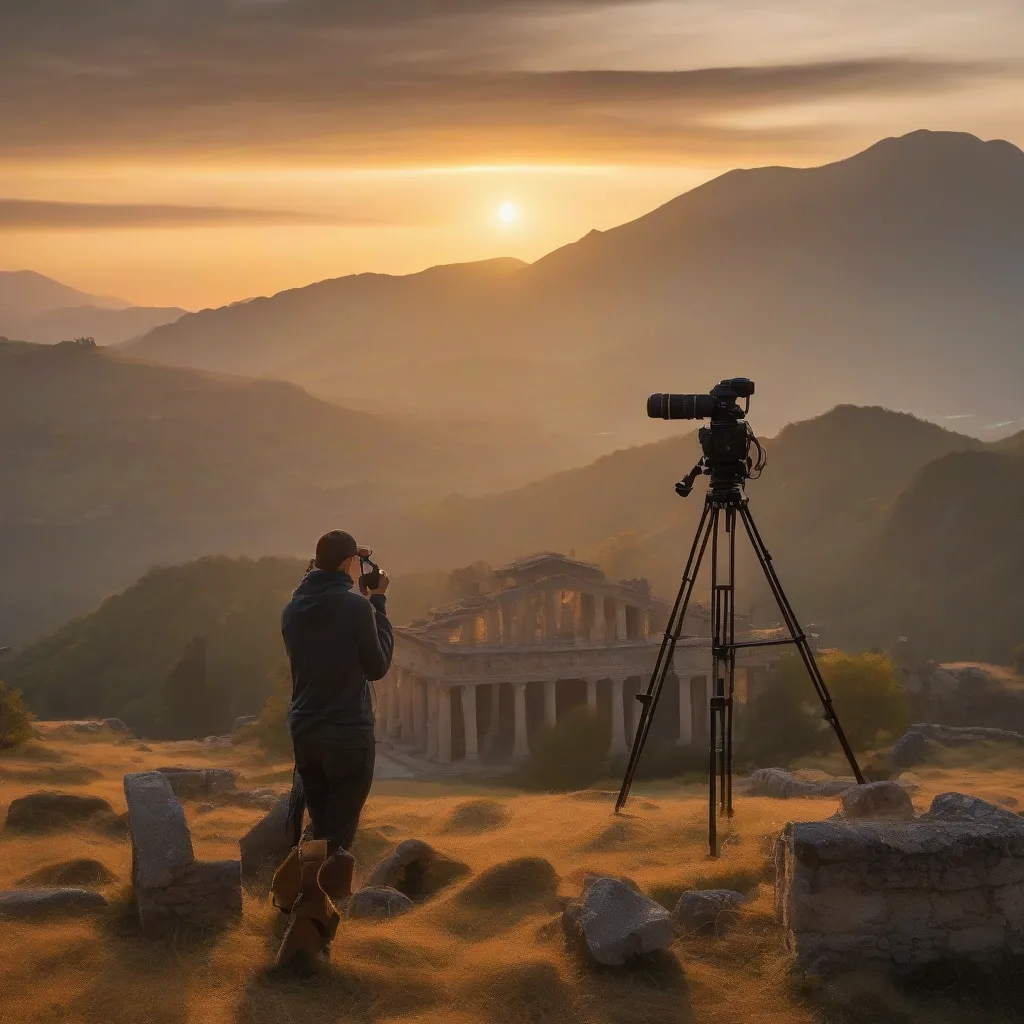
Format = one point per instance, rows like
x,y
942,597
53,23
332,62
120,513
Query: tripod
x,y
724,505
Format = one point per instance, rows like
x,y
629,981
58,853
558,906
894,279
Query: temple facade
x,y
477,680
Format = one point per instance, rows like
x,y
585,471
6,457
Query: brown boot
x,y
302,944
306,937
287,882
335,877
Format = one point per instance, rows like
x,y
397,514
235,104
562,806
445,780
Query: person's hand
x,y
364,552
382,586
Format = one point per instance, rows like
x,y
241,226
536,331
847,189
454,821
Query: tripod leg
x,y
712,769
730,527
719,611
799,639
649,700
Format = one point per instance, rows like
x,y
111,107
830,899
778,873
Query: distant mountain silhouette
x,y
109,465
106,326
891,277
24,293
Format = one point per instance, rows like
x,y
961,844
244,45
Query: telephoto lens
x,y
680,407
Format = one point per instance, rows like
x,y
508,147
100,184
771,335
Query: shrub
x,y
15,718
271,728
867,696
571,755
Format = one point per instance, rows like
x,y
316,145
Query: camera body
x,y
725,442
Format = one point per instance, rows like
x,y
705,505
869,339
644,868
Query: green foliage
x,y
785,721
113,662
572,755
15,718
192,706
271,729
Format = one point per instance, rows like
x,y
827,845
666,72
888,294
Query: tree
x,y
15,718
271,729
192,707
866,695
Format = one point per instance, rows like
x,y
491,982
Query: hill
x,y
106,326
888,278
109,466
24,293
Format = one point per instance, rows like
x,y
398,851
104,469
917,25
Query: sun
x,y
508,213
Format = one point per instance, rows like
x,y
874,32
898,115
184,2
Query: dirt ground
x,y
452,959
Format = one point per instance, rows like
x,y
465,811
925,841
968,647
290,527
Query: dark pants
x,y
336,771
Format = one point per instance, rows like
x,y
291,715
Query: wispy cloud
x,y
28,214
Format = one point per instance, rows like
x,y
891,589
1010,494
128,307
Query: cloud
x,y
35,215
380,79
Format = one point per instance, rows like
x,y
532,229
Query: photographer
x,y
337,642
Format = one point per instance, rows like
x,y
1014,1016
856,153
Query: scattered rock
x,y
169,885
877,800
416,869
193,783
918,742
48,811
26,904
242,722
523,880
268,842
217,741
700,910
378,901
80,873
780,784
90,728
115,725
617,923
961,807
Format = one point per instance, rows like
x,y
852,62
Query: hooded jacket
x,y
337,642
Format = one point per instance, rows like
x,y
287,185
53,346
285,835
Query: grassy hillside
x,y
109,466
478,952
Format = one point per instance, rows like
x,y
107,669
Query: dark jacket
x,y
336,641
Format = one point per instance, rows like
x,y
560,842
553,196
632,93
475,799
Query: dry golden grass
x,y
470,955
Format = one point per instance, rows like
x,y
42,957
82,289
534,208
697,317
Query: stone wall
x,y
949,884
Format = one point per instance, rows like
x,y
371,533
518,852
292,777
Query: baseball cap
x,y
333,548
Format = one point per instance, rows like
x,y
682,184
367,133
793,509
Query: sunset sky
x,y
196,152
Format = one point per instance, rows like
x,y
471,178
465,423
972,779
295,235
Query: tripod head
x,y
726,441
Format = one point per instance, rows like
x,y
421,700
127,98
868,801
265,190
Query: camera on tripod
x,y
726,441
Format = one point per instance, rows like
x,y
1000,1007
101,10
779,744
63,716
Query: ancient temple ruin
x,y
475,681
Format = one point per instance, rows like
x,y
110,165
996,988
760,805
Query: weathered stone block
x,y
161,842
268,842
877,800
29,904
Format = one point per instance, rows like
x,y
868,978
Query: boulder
x,y
416,869
115,725
26,904
877,800
242,722
918,741
90,728
47,811
161,842
780,784
195,783
268,842
616,923
701,910
961,807
378,901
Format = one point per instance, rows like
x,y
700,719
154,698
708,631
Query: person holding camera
x,y
338,638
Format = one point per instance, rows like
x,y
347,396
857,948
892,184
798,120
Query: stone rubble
x,y
616,923
268,842
700,910
28,904
948,884
916,743
378,901
169,885
780,784
877,800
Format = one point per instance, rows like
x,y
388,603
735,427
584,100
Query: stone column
x,y
522,748
494,725
620,621
394,707
509,627
469,721
444,725
526,621
419,715
592,696
550,705
432,721
618,743
551,609
685,713
493,626
597,630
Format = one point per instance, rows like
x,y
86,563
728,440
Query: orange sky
x,y
194,155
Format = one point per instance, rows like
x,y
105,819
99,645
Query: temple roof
x,y
530,568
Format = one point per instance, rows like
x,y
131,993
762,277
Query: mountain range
x,y
37,308
892,278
